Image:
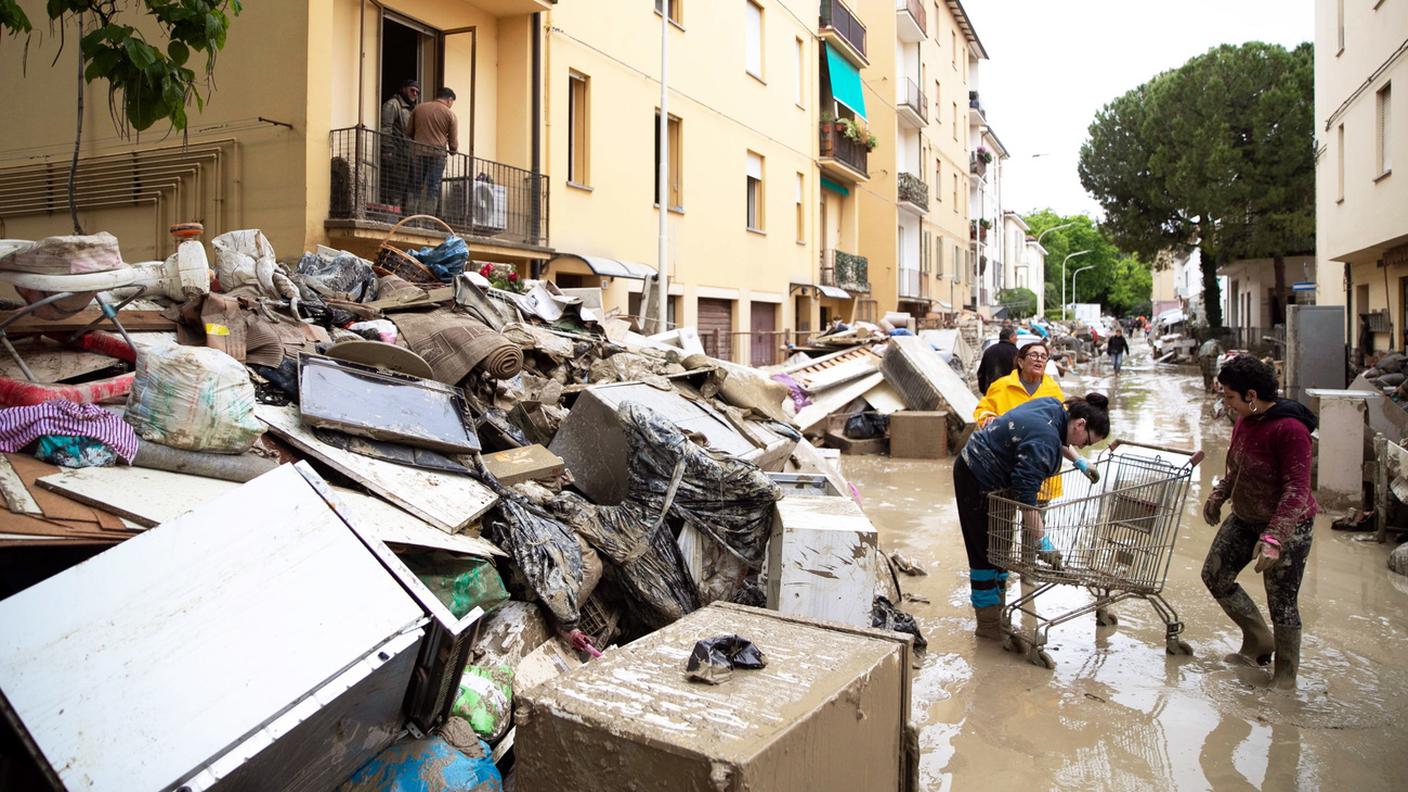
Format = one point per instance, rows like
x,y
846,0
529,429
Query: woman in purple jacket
x,y
1268,484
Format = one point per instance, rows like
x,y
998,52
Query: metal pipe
x,y
536,190
662,176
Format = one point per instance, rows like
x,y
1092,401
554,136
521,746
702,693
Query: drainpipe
x,y
535,208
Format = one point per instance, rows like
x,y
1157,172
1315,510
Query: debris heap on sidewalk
x,y
511,481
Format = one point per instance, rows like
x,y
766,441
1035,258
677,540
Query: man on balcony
x,y
395,148
434,130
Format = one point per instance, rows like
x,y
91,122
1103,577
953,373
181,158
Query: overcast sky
x,y
1054,63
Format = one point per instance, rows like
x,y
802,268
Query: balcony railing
x,y
913,283
381,178
837,146
913,190
913,99
915,9
845,270
835,15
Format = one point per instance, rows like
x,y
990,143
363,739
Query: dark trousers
x,y
986,582
429,170
1230,552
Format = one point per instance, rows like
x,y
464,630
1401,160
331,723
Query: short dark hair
x,y
1094,408
1244,374
1007,333
444,93
410,83
1022,353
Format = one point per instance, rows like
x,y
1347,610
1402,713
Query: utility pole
x,y
662,282
1063,278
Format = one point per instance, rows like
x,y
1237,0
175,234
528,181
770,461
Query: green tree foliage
x,y
1217,155
147,81
1020,303
1117,280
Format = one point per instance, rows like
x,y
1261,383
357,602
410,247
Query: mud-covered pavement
x,y
1118,712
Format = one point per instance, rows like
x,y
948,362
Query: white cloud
x,y
1054,63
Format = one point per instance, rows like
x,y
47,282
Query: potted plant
x,y
984,156
502,276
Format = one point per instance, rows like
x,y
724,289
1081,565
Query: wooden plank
x,y
134,321
523,464
54,505
447,501
145,496
395,526
823,404
17,497
48,364
884,398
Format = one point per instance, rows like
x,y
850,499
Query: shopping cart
x,y
1115,538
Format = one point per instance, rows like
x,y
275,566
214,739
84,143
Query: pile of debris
x,y
354,504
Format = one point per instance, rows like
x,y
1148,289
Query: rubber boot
x,y
1283,674
989,622
1257,643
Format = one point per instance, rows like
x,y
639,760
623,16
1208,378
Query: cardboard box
x,y
821,559
829,711
919,435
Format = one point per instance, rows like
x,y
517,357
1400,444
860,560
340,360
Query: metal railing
x,y
912,189
845,270
835,15
916,10
382,178
913,283
912,96
838,146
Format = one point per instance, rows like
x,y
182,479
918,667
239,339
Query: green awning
x,y
839,189
845,82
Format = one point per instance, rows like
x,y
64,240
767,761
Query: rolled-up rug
x,y
455,344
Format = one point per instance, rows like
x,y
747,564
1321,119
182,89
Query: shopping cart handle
x,y
1195,457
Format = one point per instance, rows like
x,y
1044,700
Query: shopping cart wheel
x,y
1014,643
1178,646
1038,657
1105,618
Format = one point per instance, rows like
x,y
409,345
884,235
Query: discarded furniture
x,y
821,559
917,434
1310,361
926,383
1339,459
829,711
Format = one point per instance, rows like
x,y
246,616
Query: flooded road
x,y
1118,712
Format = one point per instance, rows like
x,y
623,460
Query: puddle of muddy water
x,y
1118,712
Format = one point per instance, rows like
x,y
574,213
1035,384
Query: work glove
x,y
1267,553
1212,509
1048,553
1090,472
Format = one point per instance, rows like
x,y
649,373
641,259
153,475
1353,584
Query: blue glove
x,y
1046,545
1084,467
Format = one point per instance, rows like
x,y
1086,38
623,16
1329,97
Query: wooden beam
x,y
134,321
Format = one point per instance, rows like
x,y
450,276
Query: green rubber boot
x,y
1283,674
1257,642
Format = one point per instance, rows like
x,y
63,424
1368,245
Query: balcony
x,y
910,24
913,193
375,184
911,105
845,270
914,284
842,29
842,157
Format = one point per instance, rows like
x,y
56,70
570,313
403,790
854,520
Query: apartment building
x,y
1361,207
987,245
290,140
915,208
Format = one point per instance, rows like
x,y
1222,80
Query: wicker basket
x,y
391,260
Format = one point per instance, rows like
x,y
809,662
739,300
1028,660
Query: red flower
x,y
486,270
513,277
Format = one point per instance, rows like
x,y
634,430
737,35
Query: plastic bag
x,y
447,259
545,550
886,616
338,274
245,258
714,659
195,398
429,764
74,452
485,699
383,330
866,426
461,582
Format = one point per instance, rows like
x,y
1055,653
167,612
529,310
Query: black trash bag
x,y
341,276
886,616
727,499
867,426
642,552
545,550
281,382
714,659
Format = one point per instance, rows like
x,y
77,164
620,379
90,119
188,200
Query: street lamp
x,y
1073,279
1063,278
1042,236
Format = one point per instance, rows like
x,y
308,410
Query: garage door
x,y
763,321
716,327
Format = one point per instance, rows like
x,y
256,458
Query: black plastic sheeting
x,y
886,616
714,659
545,550
867,426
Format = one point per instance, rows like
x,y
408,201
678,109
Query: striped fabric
x,y
20,426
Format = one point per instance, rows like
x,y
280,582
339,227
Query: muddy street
x,y
1118,712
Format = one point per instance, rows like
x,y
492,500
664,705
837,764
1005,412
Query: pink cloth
x,y
20,426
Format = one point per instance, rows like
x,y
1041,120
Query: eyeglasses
x,y
1036,356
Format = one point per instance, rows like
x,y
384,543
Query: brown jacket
x,y
434,124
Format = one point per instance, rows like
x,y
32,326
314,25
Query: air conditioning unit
x,y
490,210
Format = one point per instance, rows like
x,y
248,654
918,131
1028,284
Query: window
x,y
938,96
578,122
801,214
953,46
1383,108
673,174
753,38
955,192
957,264
939,256
755,192
1339,163
1339,25
674,9
955,120
939,180
801,73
